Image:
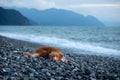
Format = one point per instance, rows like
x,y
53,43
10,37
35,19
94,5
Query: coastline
x,y
13,65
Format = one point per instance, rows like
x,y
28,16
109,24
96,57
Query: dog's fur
x,y
52,53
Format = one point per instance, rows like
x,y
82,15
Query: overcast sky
x,y
107,11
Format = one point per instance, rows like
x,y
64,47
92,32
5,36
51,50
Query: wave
x,y
63,43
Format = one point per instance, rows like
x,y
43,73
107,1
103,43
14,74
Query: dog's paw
x,y
26,54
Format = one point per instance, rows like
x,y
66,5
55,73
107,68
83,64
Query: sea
x,y
90,40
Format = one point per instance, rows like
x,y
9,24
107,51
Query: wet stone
x,y
48,74
59,69
52,79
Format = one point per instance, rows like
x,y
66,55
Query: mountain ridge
x,y
59,17
12,17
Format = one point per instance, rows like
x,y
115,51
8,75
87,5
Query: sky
x,y
107,11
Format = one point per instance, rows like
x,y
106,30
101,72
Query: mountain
x,y
59,17
12,17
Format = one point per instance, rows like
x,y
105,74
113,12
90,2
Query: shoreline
x,y
14,65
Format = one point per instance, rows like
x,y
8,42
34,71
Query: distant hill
x,y
12,17
59,17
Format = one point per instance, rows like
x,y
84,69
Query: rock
x,y
31,75
48,74
15,51
59,70
44,70
79,77
52,79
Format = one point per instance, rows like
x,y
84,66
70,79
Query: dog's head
x,y
55,56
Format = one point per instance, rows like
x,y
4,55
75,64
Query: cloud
x,y
44,4
94,5
39,4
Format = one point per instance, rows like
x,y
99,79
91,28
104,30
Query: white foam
x,y
63,43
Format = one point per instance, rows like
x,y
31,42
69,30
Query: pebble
x,y
52,79
59,69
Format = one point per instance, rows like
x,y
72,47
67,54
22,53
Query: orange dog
x,y
53,53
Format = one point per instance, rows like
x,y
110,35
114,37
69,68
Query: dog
x,y
52,53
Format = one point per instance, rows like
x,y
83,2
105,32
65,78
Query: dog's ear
x,y
51,55
61,56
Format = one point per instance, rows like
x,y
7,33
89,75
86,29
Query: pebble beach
x,y
14,66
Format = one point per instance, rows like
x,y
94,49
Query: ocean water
x,y
85,40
